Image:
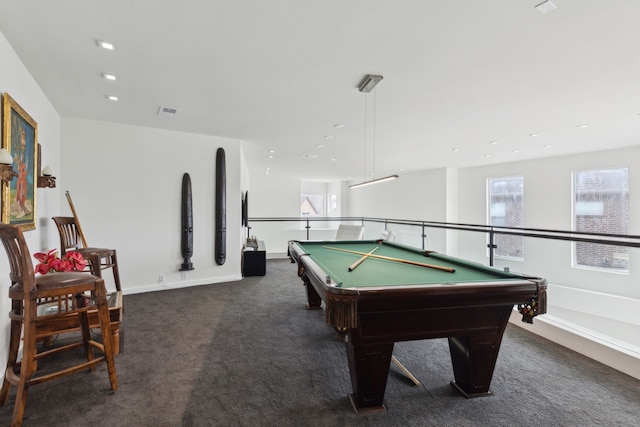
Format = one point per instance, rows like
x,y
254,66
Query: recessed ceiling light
x,y
333,160
271,156
309,156
109,76
112,97
455,149
487,155
515,151
584,125
338,125
533,134
319,145
493,142
547,146
271,151
106,45
328,137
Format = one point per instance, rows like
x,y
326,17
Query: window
x,y
506,209
601,205
333,203
312,205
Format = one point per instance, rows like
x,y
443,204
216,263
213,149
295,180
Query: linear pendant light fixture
x,y
367,84
374,181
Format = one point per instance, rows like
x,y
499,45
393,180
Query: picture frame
x,y
20,138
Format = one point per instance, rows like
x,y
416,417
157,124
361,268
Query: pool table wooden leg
x,y
314,302
369,367
474,359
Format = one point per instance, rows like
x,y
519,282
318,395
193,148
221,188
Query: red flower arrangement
x,y
71,261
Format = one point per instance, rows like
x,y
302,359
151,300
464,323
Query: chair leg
x,y
21,400
116,273
94,265
6,387
14,348
27,369
84,327
107,337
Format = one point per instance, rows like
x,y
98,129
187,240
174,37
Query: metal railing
x,y
490,230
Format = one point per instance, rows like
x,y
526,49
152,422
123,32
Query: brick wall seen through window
x,y
601,205
506,208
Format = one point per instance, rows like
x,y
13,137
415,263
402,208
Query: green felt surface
x,y
379,272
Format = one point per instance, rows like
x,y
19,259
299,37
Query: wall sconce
x,y
45,180
6,166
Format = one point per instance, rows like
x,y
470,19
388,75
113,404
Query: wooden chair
x,y
58,290
99,258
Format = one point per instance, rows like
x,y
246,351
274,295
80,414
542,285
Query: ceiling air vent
x,y
167,112
546,7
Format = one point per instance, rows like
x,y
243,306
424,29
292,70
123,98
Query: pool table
x,y
391,296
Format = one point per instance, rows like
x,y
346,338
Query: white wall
x,y
452,214
413,196
17,82
547,203
273,196
594,304
418,195
125,182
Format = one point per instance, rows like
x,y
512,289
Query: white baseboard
x,y
277,255
180,284
620,356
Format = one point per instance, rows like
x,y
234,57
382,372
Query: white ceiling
x,y
279,75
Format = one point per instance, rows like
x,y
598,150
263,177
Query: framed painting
x,y
20,138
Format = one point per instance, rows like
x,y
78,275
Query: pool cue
x,y
388,258
405,370
75,218
358,262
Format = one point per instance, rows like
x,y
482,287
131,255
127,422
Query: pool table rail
x,y
341,302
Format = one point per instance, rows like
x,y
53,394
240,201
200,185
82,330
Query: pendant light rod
x,y
373,148
364,163
367,84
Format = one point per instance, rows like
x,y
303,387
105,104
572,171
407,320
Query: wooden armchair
x,y
70,295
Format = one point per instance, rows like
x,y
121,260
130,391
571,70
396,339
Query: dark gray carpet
x,y
248,354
